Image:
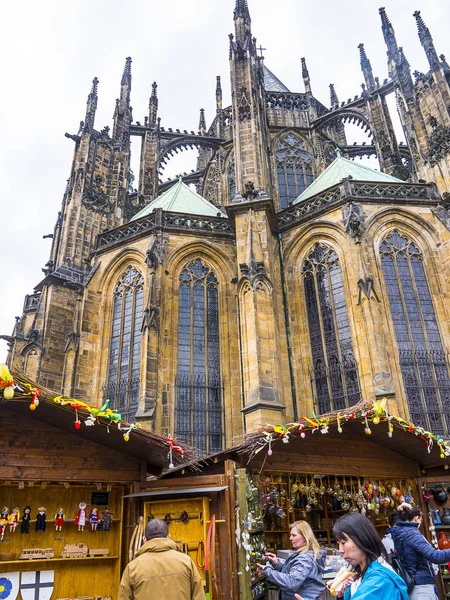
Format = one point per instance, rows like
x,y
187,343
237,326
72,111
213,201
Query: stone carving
x,y
442,210
157,251
366,286
95,198
354,220
439,142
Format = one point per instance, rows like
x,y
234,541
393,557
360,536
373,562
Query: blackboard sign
x,y
100,499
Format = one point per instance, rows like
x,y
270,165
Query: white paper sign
x,y
37,585
9,585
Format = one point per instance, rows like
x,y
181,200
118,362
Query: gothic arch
x,y
334,372
111,271
293,164
412,309
32,355
345,115
219,260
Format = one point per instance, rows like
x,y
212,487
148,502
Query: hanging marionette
x,y
59,519
80,519
3,521
41,519
13,519
94,519
106,520
26,518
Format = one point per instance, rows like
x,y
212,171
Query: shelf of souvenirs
x,y
26,561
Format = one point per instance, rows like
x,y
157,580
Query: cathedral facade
x,y
293,279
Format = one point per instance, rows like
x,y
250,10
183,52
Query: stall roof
x,y
371,423
200,490
142,444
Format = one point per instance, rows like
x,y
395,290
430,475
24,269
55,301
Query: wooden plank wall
x,y
342,454
32,450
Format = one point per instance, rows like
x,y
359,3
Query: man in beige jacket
x,y
160,571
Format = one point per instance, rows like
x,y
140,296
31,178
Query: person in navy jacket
x,y
417,554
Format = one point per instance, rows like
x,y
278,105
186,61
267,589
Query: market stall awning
x,y
178,492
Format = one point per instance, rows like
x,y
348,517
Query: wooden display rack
x,y
97,573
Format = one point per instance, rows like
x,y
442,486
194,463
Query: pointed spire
x,y
334,100
388,33
427,42
91,107
242,24
126,77
153,106
218,94
125,85
202,122
241,10
366,68
305,76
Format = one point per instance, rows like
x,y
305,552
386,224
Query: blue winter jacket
x,y
379,583
416,553
298,574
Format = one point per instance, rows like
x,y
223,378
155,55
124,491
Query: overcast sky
x,y
52,49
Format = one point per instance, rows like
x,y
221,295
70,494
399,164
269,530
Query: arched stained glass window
x,y
334,373
199,413
422,358
294,168
125,350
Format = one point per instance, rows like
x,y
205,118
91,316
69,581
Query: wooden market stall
x,y
55,458
362,459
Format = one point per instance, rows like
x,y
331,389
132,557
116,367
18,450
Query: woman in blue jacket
x,y
302,571
361,547
418,556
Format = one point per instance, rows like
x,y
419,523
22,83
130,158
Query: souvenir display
x,y
13,519
80,519
75,551
26,518
106,520
41,519
36,553
59,519
3,522
94,519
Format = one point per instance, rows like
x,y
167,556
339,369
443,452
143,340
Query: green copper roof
x,y
340,169
181,198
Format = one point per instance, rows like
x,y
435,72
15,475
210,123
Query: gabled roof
x,y
180,198
342,168
272,83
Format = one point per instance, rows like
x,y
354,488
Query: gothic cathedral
x,y
279,278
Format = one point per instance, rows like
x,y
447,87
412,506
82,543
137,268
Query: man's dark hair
x,y
360,530
156,528
393,518
408,513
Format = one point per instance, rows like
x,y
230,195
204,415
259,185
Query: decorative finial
x,y
202,122
334,100
241,10
126,77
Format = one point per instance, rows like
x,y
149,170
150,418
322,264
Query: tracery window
x,y
232,179
294,168
422,358
122,387
199,413
334,373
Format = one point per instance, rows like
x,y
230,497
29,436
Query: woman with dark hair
x,y
361,547
302,571
418,556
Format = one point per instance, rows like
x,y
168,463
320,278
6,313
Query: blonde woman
x,y
301,572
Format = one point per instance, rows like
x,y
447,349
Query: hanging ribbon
x,y
173,447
